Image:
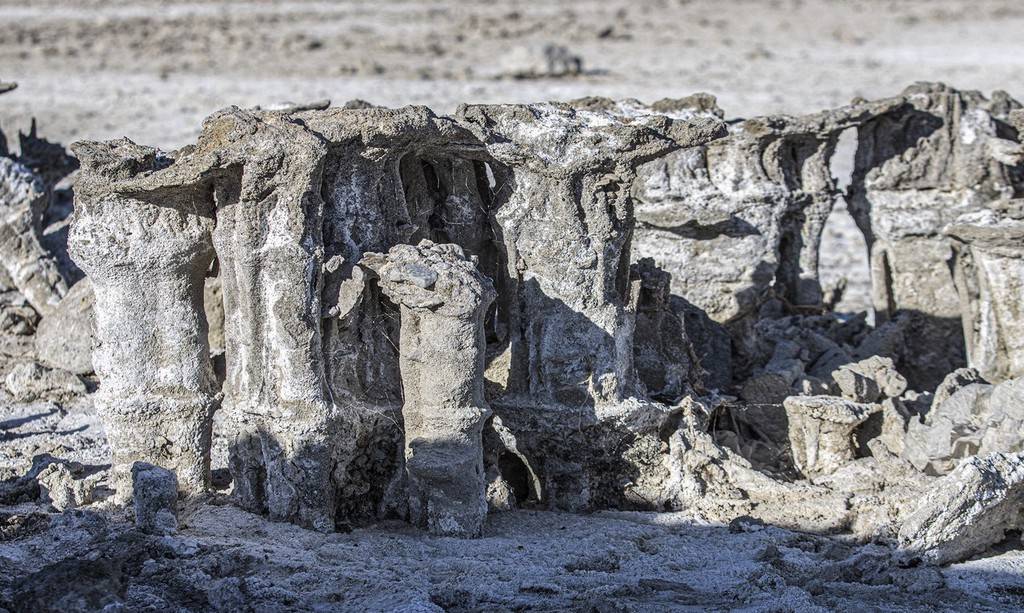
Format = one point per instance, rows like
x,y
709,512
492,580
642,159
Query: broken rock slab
x,y
967,511
65,337
979,418
822,429
29,382
953,383
33,271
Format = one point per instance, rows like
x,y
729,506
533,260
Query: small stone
x,y
61,485
870,379
155,495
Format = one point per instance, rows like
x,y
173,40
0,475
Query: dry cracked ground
x,y
151,70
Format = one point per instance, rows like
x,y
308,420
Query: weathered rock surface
x,y
282,242
953,383
663,354
17,317
715,484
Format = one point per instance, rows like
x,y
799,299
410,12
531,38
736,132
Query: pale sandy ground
x,y
151,70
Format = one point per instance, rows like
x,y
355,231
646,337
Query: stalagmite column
x,y
443,300
259,174
989,248
146,255
821,431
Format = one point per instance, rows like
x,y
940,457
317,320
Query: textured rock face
x,y
967,511
563,214
309,337
989,248
390,176
147,261
937,154
443,301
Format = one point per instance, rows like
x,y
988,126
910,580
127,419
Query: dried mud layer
x,y
643,349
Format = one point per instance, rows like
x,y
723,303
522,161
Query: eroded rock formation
x,y
936,153
381,280
989,251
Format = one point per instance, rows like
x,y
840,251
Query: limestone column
x,y
989,247
443,301
270,250
147,255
